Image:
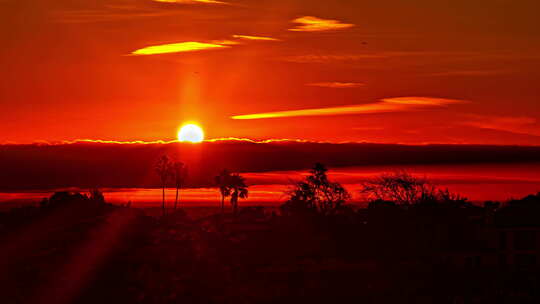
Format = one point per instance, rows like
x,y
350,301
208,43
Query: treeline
x,y
414,243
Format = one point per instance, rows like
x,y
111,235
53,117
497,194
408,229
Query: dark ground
x,y
87,252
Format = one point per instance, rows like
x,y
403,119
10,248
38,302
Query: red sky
x,y
390,71
476,182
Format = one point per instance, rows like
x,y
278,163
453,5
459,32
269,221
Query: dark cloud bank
x,y
83,164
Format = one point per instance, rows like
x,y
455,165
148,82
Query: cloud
x,y
399,104
178,48
515,124
422,101
192,46
247,37
470,73
438,55
108,13
120,12
102,158
193,1
314,24
225,42
337,85
314,58
328,58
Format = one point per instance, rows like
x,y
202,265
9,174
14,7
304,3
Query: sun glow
x,y
191,133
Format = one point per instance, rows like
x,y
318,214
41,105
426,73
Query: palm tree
x,y
164,170
180,173
222,181
239,189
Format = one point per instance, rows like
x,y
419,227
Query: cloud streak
x,y
331,58
399,104
259,38
337,85
193,1
314,24
109,13
374,55
515,124
470,73
178,48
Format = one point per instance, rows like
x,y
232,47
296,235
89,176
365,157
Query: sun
x,y
191,133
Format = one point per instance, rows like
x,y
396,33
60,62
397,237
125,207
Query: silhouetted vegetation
x,y
413,243
94,197
222,182
405,189
180,174
315,194
164,170
239,189
233,185
167,170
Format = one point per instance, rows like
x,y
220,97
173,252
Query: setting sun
x,y
191,133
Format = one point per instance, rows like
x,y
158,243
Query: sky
x,y
88,165
126,172
387,71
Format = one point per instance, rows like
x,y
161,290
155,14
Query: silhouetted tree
x,y
445,196
180,174
399,187
405,189
239,189
96,195
316,194
222,181
233,185
94,198
62,197
164,170
520,212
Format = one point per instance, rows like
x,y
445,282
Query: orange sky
x,y
137,69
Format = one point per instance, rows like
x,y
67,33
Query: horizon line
x,y
246,140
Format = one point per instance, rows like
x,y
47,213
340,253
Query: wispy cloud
x,y
108,13
314,24
337,85
247,37
470,73
398,104
120,12
374,55
225,42
329,58
178,48
515,124
314,58
193,1
191,46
